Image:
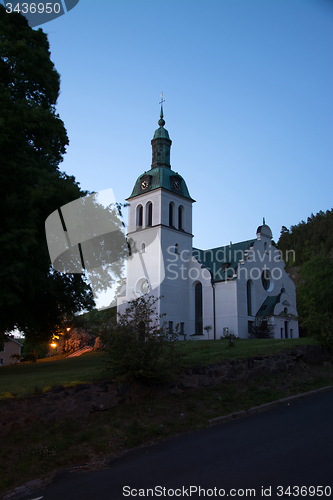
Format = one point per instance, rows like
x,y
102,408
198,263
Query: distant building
x,y
226,288
12,346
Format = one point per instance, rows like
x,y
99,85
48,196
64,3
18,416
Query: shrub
x,y
16,356
261,329
320,326
42,349
74,340
138,349
31,356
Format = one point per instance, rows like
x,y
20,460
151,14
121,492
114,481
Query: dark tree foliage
x,y
96,320
312,242
138,349
41,350
315,287
261,329
315,298
320,326
308,239
33,139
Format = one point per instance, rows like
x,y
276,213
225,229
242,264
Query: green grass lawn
x,y
94,440
26,379
212,351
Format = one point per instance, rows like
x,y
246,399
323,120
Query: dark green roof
x,y
222,262
162,133
267,307
161,177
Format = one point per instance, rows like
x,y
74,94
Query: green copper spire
x,y
161,143
161,132
160,175
161,122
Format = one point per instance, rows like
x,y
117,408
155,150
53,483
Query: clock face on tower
x,y
176,185
141,287
144,185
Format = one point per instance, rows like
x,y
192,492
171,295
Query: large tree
x,y
315,298
33,297
311,244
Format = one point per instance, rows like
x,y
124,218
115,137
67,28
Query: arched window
x,y
171,210
149,214
249,288
180,217
198,309
266,280
139,216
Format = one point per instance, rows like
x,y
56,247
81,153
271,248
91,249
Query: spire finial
x,y
161,122
263,221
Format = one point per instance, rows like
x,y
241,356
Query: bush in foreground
x,y
31,357
261,329
138,349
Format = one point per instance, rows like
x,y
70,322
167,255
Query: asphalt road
x,y
257,456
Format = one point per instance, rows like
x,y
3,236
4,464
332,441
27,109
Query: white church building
x,y
207,293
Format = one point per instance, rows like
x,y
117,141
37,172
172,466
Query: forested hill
x,y
308,239
312,271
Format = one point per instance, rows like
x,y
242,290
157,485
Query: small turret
x,y
264,231
161,145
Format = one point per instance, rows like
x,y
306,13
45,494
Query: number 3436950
x,y
33,8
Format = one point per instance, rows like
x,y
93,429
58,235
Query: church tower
x,y
160,234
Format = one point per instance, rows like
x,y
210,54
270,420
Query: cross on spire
x,y
161,122
162,100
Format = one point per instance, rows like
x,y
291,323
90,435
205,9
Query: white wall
x,y
232,295
174,275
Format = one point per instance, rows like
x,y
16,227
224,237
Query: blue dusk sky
x,y
248,92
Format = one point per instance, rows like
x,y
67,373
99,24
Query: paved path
x,y
290,445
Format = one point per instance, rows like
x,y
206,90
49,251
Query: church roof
x,y
161,132
222,262
264,230
161,177
267,307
